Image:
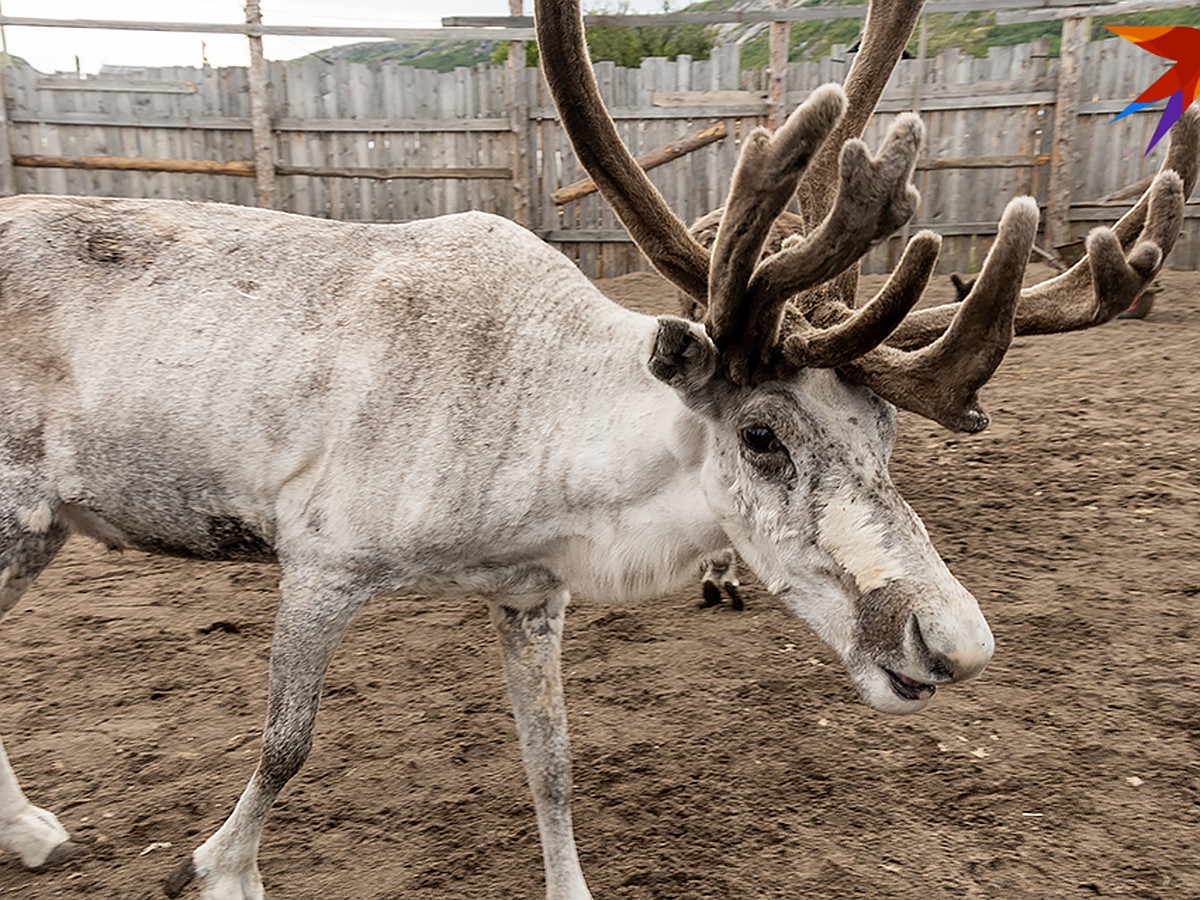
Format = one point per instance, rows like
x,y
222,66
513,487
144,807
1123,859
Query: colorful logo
x,y
1178,84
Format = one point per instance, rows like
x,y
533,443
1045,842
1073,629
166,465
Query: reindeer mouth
x,y
909,689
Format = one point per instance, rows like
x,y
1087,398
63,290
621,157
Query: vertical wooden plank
x,y
64,137
1066,114
777,71
1038,69
363,98
447,111
277,72
1105,67
340,190
230,142
406,145
20,134
679,170
266,189
461,106
291,148
330,141
504,196
8,178
157,142
208,142
517,98
433,192
549,133
313,151
387,88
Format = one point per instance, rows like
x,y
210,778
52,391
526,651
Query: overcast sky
x,y
55,49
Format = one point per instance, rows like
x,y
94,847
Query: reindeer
x,y
449,406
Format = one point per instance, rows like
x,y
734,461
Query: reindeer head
x,y
799,387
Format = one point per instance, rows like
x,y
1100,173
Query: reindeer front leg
x,y
531,640
315,610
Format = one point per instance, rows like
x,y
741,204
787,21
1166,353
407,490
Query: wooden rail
x,y
131,164
764,16
397,34
248,169
656,157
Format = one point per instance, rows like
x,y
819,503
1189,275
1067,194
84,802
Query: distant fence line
x,y
387,143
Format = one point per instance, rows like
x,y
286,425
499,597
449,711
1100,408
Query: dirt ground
x,y
717,754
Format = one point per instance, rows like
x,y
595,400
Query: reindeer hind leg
x,y
31,534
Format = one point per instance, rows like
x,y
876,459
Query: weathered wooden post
x,y
918,91
777,69
8,179
266,187
518,111
1066,112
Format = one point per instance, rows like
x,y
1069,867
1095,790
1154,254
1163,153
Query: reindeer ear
x,y
685,359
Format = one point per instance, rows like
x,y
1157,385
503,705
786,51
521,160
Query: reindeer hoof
x,y
1140,307
59,855
735,599
712,596
180,878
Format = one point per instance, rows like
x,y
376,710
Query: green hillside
x,y
972,33
442,56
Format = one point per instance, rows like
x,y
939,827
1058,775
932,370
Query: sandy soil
x,y
717,754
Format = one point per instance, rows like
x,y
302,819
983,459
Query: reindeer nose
x,y
956,653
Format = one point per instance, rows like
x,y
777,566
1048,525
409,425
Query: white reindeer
x,y
451,407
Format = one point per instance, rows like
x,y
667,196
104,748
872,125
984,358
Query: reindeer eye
x,y
761,439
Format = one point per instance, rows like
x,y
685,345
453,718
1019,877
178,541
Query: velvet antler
x,y
779,291
1119,264
745,298
660,234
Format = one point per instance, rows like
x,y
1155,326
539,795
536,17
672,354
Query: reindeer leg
x,y
720,573
531,640
314,613
729,579
30,536
735,598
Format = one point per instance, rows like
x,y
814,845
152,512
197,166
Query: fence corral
x,y
381,142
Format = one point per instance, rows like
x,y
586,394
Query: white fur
x,y
25,830
850,531
38,519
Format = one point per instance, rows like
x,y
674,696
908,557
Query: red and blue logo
x,y
1178,84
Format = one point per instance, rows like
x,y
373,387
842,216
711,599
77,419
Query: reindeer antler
x,y
746,299
772,312
1120,262
767,172
641,208
941,381
888,26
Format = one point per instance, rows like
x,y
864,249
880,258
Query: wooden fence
x,y
379,142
